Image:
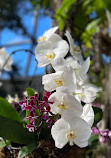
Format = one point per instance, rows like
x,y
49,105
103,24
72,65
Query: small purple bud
x,y
95,131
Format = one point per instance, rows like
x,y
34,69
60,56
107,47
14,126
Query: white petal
x,y
54,38
80,127
85,67
61,49
88,114
5,59
88,96
42,50
61,139
60,125
71,41
60,64
81,144
50,32
49,80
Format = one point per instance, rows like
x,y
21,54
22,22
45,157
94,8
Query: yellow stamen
x,y
71,135
50,56
42,38
62,106
59,82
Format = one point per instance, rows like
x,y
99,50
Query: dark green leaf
x,y
98,114
26,150
8,111
15,132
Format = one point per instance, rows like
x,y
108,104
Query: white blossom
x,y
86,93
52,48
65,104
75,131
59,79
5,60
80,68
74,49
13,99
48,34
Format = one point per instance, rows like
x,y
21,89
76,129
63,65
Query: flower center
x,y
41,39
59,82
49,56
62,106
71,135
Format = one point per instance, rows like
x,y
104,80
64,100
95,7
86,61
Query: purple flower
x,y
104,132
103,139
95,131
30,128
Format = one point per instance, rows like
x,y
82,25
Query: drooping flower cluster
x,y
104,135
39,111
71,86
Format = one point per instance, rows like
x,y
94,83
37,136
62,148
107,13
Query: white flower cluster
x,y
71,85
5,60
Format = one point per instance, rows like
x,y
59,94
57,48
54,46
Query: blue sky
x,y
8,36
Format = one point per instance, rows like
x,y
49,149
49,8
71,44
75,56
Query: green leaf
x,y
93,138
30,92
2,143
98,114
26,150
93,24
15,132
8,111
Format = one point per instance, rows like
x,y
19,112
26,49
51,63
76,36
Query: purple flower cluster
x,y
104,135
39,111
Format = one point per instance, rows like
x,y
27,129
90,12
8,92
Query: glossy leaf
x,y
15,132
8,111
98,114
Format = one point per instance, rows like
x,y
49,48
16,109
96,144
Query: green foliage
x,y
43,3
63,12
90,29
93,138
15,132
98,114
30,92
26,150
8,111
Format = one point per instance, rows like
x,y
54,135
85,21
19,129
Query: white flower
x,y
74,49
49,50
80,69
88,114
75,131
59,79
86,93
5,60
48,34
65,104
13,99
60,64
